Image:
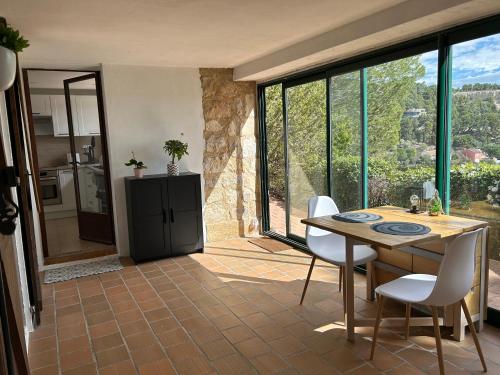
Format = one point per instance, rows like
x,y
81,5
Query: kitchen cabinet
x,y
40,105
59,117
85,116
88,115
66,182
164,215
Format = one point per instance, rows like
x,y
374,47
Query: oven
x,y
51,190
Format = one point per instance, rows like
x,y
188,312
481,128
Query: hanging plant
x,y
12,39
11,42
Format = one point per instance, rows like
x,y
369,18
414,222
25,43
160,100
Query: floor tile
x,y
223,312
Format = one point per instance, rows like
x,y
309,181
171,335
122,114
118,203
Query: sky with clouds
x,y
474,61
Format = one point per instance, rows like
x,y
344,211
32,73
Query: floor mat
x,y
80,270
271,245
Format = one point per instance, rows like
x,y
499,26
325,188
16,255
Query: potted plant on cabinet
x,y
11,42
175,149
139,166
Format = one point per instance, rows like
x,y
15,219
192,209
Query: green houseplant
x,y
11,42
435,207
176,150
139,166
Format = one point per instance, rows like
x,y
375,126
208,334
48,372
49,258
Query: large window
x,y
402,130
475,141
376,129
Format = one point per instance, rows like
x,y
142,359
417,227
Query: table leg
x,y
349,287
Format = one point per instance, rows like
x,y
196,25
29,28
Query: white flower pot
x,y
173,169
8,67
139,172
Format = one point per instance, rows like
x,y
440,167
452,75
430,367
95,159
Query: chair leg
x,y
308,277
344,293
437,334
374,277
380,301
341,271
473,333
407,322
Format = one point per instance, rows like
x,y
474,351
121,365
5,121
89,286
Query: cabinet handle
x,y
172,215
164,215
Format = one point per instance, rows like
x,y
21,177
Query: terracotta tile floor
x,y
232,310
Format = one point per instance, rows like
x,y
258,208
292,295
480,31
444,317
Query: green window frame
x,y
441,41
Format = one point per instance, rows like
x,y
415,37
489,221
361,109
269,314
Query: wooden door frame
x,y
17,140
36,170
87,217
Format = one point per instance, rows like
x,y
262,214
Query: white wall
x,y
145,106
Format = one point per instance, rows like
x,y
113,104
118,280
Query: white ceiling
x,y
184,33
260,38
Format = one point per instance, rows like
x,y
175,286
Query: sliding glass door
x,y
345,120
475,143
306,150
275,156
402,130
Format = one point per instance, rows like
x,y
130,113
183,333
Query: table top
x,y
442,226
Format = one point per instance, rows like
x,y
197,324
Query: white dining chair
x,y
331,247
451,285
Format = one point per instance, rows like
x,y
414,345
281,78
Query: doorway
x,y
69,148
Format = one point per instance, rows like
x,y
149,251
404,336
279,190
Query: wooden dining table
x,y
443,228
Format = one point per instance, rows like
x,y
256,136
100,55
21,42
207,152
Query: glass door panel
x,y
306,150
475,143
346,142
402,130
90,172
275,159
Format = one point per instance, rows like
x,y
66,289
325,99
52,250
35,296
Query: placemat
x,y
356,217
400,228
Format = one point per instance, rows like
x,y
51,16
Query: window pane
x,y
275,159
402,130
346,131
475,166
307,173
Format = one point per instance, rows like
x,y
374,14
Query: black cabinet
x,y
164,215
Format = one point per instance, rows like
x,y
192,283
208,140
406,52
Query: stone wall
x,y
230,159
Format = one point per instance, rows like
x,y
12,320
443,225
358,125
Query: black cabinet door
x,y
185,214
151,234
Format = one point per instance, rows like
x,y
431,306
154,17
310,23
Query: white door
x,y
68,196
59,117
40,105
88,115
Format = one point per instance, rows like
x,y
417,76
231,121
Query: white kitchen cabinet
x,y
68,197
59,116
40,105
88,115
84,111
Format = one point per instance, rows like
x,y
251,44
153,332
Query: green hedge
x,y
390,185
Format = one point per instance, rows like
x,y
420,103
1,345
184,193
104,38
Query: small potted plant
x,y
175,149
139,166
11,42
435,207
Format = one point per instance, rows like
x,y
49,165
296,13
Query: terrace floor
x,y
232,310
